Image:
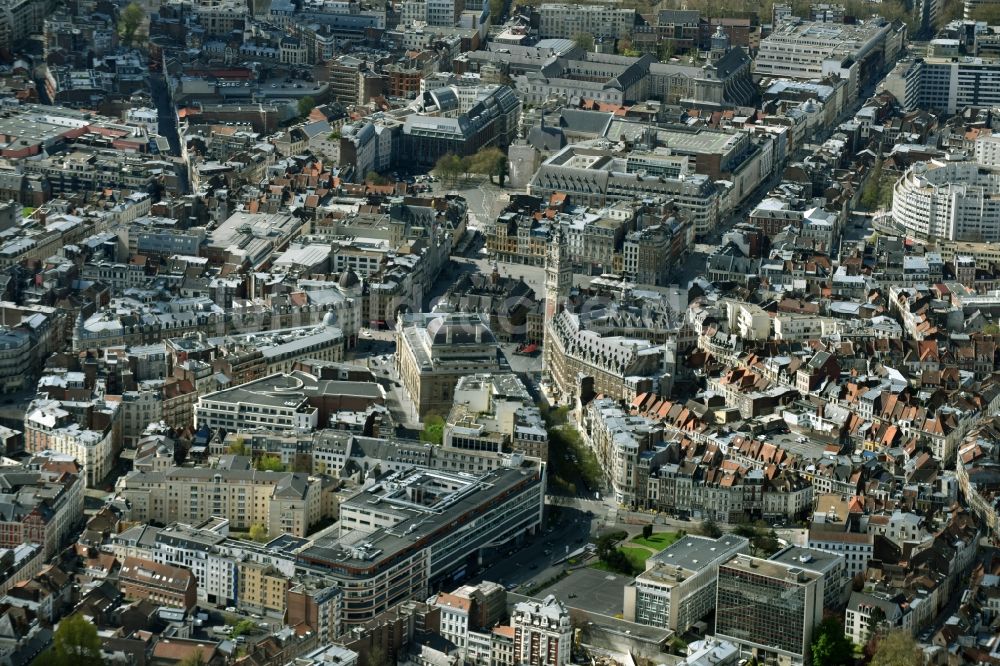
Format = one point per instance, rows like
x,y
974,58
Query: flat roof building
x,y
418,527
678,587
434,350
768,608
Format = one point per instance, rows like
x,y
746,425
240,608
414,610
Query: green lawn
x,y
658,541
637,557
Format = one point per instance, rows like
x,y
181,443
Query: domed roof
x,y
459,328
330,319
348,279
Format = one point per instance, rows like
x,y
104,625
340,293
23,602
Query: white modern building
x,y
678,587
945,84
813,50
948,200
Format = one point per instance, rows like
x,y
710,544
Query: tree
x,y
449,167
871,195
270,463
897,648
988,13
710,528
647,531
377,657
239,448
991,329
433,431
129,21
585,41
244,627
501,172
306,105
75,643
375,178
830,647
496,11
258,532
195,659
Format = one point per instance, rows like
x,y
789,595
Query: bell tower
x,y
558,274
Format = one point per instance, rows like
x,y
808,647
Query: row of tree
x,y
830,647
489,161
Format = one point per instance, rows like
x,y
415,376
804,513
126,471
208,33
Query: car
x,y
571,595
230,609
274,85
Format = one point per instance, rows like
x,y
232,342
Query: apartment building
x,y
495,413
543,633
161,584
262,588
768,609
856,549
417,527
196,547
41,503
317,603
678,587
566,21
283,502
952,201
89,432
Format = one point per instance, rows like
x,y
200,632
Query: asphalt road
x,y
534,561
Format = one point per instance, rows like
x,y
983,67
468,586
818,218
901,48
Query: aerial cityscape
x,y
499,333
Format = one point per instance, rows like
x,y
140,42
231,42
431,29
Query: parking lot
x,y
591,590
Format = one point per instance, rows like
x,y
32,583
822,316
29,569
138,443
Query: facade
x,y
495,413
95,443
284,502
543,633
678,587
41,503
812,50
159,583
564,21
945,84
598,177
399,547
767,608
435,350
952,201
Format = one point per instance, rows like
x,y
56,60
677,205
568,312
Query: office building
x,y
543,633
678,587
952,201
769,609
945,84
435,350
832,566
598,177
858,53
418,528
491,121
